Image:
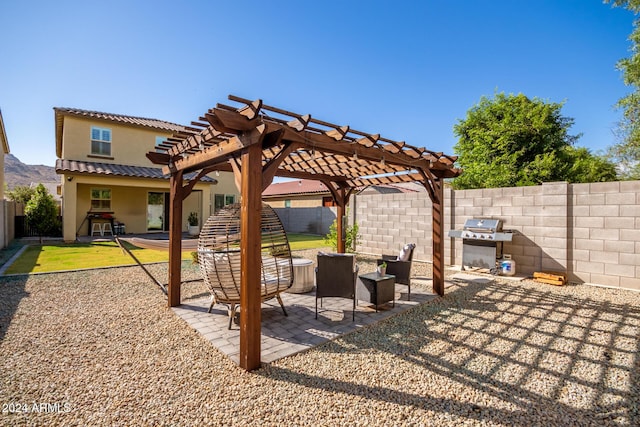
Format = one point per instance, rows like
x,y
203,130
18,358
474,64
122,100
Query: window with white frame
x,y
100,199
100,141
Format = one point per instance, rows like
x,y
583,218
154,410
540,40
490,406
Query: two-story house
x,y
104,170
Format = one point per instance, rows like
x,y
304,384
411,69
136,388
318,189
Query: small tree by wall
x,y
41,212
351,237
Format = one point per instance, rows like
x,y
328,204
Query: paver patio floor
x,y
300,330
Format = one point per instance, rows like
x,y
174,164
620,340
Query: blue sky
x,y
408,70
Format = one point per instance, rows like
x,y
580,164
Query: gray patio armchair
x,y
400,265
336,276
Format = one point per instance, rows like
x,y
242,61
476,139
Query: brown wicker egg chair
x,y
219,257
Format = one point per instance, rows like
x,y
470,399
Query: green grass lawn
x,y
57,257
305,241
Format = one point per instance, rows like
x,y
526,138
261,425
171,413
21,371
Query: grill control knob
x,y
482,236
490,237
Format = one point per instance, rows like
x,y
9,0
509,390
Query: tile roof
x,y
138,121
95,168
299,187
309,186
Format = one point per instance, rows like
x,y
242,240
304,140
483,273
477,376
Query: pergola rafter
x,y
258,142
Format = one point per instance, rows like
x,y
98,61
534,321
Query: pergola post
x,y
340,222
175,238
437,213
250,257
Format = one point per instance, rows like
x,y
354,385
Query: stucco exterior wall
x,y
129,195
311,201
128,203
129,144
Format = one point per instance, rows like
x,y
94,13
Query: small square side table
x,y
376,288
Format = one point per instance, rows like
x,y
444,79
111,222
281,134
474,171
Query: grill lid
x,y
483,225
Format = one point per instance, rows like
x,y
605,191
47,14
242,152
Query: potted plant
x,y
194,230
382,268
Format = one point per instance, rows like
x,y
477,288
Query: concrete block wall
x,y
389,221
606,233
537,215
316,220
590,231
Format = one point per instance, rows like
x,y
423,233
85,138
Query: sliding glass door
x,y
157,219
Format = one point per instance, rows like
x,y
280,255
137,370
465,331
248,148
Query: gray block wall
x,y
590,231
316,220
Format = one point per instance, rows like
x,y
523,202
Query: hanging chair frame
x,y
219,256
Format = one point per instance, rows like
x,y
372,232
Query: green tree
x,y
511,141
626,153
41,212
21,193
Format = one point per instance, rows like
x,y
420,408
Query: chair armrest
x,y
397,261
389,257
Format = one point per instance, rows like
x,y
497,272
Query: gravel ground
x,y
100,347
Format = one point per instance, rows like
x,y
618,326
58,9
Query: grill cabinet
x,y
482,240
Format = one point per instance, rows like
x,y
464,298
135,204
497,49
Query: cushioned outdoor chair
x,y
336,276
400,265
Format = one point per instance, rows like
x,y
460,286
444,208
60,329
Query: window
x,y
222,200
287,203
101,199
160,140
100,141
328,202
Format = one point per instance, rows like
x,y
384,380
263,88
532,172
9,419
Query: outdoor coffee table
x,y
303,277
376,288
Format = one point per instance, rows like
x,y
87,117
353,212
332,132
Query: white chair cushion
x,y
405,252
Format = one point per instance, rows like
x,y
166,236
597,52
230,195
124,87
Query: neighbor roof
x,y
60,112
302,187
95,168
297,187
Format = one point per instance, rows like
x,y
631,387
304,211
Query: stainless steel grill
x,y
482,240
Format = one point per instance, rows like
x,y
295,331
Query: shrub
x,y
351,237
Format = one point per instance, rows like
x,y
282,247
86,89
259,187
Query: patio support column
x,y
437,214
250,257
340,225
175,237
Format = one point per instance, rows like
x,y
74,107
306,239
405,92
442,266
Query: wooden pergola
x,y
258,142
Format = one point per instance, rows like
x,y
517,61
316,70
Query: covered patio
x,y
258,142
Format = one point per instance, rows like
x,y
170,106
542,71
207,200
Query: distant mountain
x,y
17,173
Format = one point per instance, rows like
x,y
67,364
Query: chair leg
x,y
232,313
282,305
353,313
213,301
107,227
316,307
96,227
